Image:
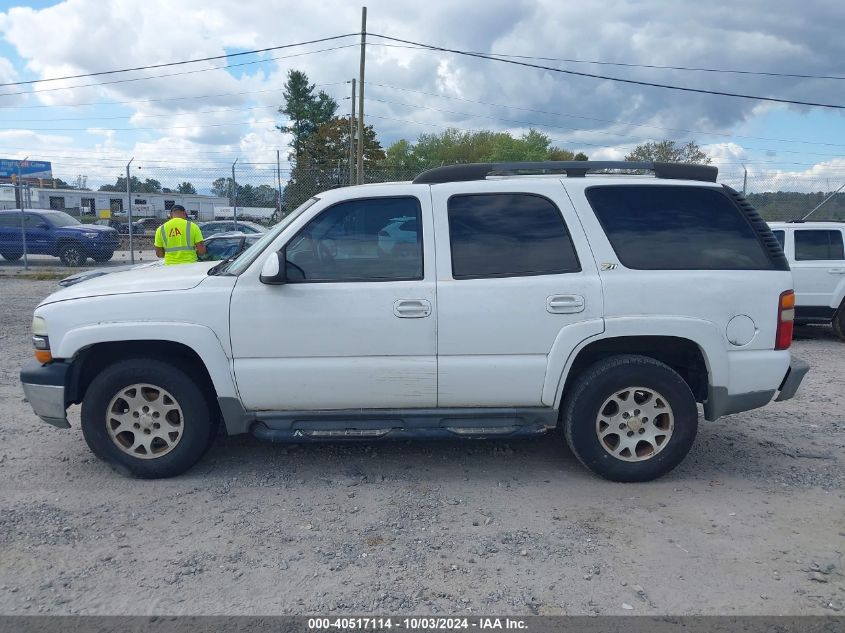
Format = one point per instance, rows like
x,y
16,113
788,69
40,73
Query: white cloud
x,y
78,36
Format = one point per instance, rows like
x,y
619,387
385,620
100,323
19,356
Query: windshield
x,y
59,218
243,260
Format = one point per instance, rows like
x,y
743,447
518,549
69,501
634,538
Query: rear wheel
x,y
839,322
630,418
71,255
148,418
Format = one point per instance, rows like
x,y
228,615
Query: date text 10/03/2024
x,y
416,623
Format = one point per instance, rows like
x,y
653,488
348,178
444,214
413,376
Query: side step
x,y
377,424
288,436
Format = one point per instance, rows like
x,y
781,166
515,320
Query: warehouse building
x,y
77,203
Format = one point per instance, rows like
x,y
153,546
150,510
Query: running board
x,y
292,436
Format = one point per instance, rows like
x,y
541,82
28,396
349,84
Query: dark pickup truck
x,y
55,233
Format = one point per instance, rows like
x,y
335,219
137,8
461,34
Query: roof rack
x,y
573,169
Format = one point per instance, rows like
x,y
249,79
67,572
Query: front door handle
x,y
565,304
837,271
412,308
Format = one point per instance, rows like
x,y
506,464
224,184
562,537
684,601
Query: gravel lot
x,y
753,522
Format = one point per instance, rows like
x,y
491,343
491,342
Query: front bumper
x,y
44,388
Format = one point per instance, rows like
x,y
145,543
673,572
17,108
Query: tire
x,y
186,424
72,255
104,257
12,257
838,323
597,403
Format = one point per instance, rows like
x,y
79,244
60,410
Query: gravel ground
x,y
753,522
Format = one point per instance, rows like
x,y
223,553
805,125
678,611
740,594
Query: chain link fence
x,y
105,225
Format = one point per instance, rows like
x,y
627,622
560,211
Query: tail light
x,y
786,318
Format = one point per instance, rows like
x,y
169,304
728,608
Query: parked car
x,y
604,305
151,224
224,245
121,227
86,275
55,233
229,226
816,255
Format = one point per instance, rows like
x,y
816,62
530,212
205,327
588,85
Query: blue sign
x,y
28,168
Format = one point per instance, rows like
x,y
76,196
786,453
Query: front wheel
x,y
630,418
148,418
72,255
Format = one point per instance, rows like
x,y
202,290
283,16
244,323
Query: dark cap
x,y
177,207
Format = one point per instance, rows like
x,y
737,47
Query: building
x,y
77,202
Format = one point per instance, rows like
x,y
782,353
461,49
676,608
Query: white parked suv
x,y
532,297
816,254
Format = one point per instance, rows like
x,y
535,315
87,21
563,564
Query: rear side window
x,y
508,235
818,245
677,228
780,236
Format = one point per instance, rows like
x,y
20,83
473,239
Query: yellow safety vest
x,y
175,238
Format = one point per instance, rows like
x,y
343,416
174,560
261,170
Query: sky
x,y
190,122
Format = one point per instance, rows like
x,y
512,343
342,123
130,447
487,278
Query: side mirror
x,y
274,269
42,225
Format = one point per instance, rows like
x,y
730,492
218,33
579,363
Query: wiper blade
x,y
219,266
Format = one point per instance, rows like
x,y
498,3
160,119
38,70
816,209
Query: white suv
x,y
816,255
607,305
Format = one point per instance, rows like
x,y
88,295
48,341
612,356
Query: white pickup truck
x,y
816,255
476,301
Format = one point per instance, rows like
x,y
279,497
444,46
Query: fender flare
x,y
201,339
563,354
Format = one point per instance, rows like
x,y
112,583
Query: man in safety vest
x,y
179,240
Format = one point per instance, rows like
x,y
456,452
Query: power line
x,y
629,65
133,129
179,74
145,116
103,103
178,63
561,127
615,121
617,79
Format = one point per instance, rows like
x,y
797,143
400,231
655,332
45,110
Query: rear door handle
x,y
412,308
837,271
565,304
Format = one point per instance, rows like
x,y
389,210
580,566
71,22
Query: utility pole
x,y
744,179
279,181
235,195
352,138
129,210
23,227
360,179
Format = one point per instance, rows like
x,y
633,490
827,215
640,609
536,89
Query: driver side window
x,y
374,239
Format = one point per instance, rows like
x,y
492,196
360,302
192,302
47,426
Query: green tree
x,y
456,146
305,110
667,151
150,185
222,187
186,187
324,162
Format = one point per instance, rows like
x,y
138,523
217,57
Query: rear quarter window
x,y
666,227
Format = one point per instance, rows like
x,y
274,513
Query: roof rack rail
x,y
573,169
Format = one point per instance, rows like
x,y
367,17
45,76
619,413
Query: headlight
x,y
40,341
39,326
90,236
